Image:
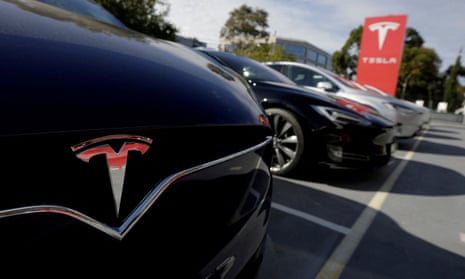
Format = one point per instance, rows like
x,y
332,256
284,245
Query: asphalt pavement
x,y
404,220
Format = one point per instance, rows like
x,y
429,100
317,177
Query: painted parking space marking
x,y
311,218
336,263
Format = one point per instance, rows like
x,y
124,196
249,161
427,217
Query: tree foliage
x,y
246,31
412,38
265,52
418,69
145,16
344,61
246,24
453,92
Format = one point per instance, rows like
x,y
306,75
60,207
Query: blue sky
x,y
327,23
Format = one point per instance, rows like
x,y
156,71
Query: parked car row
x,y
409,117
121,155
124,153
425,112
288,150
312,128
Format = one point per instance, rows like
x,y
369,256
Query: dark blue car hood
x,y
62,74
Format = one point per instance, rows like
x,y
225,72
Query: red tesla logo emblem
x,y
116,160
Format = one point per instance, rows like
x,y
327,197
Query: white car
x,y
409,120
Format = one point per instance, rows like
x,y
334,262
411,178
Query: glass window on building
x,y
322,60
311,55
296,50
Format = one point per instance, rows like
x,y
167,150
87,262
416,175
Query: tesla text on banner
x,y
381,51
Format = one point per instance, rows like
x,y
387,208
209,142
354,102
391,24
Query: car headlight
x,y
340,117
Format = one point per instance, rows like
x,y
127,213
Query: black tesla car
x,y
120,155
310,128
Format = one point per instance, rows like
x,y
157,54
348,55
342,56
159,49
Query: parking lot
x,y
405,220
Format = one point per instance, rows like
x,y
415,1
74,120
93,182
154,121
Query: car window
x,y
307,77
251,69
278,67
342,80
87,8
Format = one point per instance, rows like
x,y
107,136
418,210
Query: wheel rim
x,y
285,143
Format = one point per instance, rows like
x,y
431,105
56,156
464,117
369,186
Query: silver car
x,y
426,112
408,119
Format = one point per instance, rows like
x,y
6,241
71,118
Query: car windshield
x,y
342,80
252,70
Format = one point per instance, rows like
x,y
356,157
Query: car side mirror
x,y
326,86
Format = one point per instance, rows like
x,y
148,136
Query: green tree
x,y
246,31
265,52
145,16
245,27
344,61
418,69
412,38
453,92
246,23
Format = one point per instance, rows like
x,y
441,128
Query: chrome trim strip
x,y
121,231
82,145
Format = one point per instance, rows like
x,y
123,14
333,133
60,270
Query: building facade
x,y
305,52
302,51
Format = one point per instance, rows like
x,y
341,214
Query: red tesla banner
x,y
381,52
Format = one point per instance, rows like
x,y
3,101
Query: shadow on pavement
x,y
297,248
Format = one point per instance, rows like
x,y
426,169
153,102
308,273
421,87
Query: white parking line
x,y
336,263
311,218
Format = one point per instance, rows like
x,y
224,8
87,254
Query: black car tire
x,y
288,141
